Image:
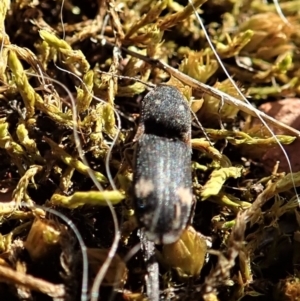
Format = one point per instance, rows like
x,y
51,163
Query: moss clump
x,y
72,74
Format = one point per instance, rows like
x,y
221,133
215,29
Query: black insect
x,y
162,184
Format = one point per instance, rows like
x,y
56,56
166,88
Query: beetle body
x,y
162,184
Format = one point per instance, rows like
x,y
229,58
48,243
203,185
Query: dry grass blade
x,y
56,291
223,97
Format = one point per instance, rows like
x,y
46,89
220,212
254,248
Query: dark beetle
x,y
162,184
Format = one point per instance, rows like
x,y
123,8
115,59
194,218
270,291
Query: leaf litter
x,y
72,76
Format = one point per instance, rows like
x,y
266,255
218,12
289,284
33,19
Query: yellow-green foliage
x,y
72,75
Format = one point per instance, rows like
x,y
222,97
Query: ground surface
x,y
53,59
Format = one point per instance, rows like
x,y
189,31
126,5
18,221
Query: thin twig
x,y
213,91
8,275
